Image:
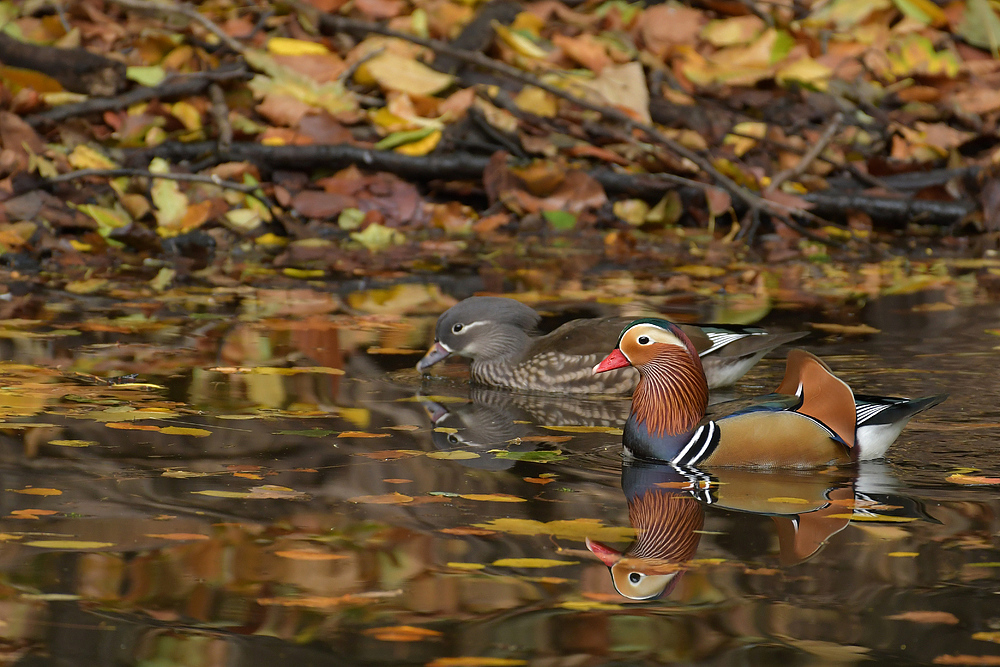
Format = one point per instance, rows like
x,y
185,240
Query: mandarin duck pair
x,y
813,418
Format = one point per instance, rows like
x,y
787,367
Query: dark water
x,y
233,514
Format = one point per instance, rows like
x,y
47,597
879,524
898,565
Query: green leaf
x,y
404,137
152,75
534,457
561,220
980,26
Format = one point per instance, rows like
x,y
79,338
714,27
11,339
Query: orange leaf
x,y
492,497
538,480
362,434
926,617
38,492
30,514
179,537
467,531
402,633
971,479
301,554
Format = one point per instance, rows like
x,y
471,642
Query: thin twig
x,y
809,157
186,10
220,114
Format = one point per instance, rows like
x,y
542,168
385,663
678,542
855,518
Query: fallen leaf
x,y
942,617
362,434
181,430
453,456
845,329
975,660
402,633
386,499
492,497
38,492
74,545
971,479
533,562
179,537
301,554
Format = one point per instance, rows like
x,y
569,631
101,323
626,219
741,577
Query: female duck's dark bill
x,y
614,360
434,355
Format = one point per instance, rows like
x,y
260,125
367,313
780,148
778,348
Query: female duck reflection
x,y
666,507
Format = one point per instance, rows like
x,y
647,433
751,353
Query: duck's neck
x,y
671,396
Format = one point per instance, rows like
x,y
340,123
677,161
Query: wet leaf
x,y
31,513
987,637
128,426
395,72
387,499
492,497
972,479
178,537
222,494
285,46
37,492
538,480
465,566
467,531
844,329
574,529
183,474
903,554
362,434
453,456
389,454
73,545
533,562
589,605
274,492
182,430
473,661
402,633
940,617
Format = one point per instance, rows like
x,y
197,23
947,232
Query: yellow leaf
x,y
987,636
146,75
972,479
377,237
38,492
537,101
532,562
744,136
285,46
361,434
72,443
395,72
805,71
492,497
453,456
519,42
902,554
589,605
421,147
86,286
573,529
466,566
85,157
402,633
69,544
181,430
222,494
187,114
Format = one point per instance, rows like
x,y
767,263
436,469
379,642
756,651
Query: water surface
x,y
276,484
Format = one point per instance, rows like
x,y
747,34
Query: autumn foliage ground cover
x,y
836,148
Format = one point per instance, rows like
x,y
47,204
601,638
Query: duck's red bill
x,y
614,360
607,555
434,355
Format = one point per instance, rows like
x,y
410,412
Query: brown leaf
x,y
981,660
926,617
321,205
379,9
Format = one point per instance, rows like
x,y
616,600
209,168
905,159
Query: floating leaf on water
x,y
38,492
538,480
585,429
222,494
573,529
987,636
362,434
302,554
533,562
453,456
903,554
589,605
182,430
397,481
308,433
51,597
386,499
297,370
69,544
972,479
466,530
403,427
273,492
31,513
389,454
980,660
129,426
466,566
402,633
183,474
492,497
844,329
475,661
983,564
942,617
178,537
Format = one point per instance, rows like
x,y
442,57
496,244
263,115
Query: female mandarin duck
x,y
498,334
813,419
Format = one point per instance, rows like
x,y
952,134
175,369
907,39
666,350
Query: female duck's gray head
x,y
483,328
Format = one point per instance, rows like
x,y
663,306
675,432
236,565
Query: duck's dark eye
x,y
635,577
643,340
458,328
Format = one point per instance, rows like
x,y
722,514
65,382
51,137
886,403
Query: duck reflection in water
x,y
667,510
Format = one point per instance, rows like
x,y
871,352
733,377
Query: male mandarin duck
x,y
499,335
812,419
